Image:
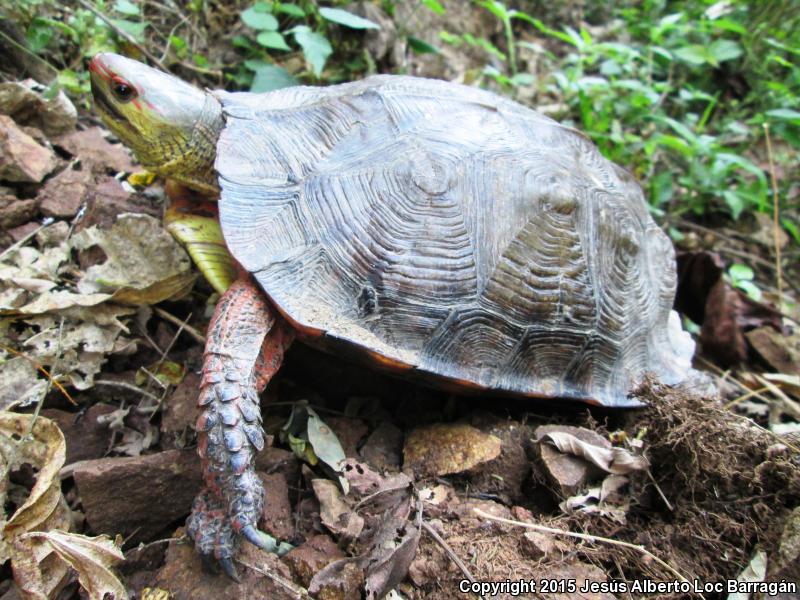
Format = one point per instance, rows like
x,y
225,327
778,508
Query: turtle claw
x,y
265,541
230,570
257,538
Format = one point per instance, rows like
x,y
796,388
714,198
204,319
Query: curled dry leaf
x,y
45,450
612,460
145,264
90,557
41,554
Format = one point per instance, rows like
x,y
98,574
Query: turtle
x,y
437,231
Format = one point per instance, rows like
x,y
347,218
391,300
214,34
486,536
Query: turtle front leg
x,y
244,348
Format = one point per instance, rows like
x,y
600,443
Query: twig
x,y
775,214
744,397
123,34
790,406
176,321
126,386
588,537
50,380
449,551
44,371
658,489
17,245
290,586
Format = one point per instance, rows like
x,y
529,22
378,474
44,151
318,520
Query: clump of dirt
x,y
721,488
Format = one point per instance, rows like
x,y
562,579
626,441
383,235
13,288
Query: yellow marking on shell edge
x,y
202,237
141,178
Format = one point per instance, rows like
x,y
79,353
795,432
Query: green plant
x,y
277,24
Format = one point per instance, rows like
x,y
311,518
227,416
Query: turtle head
x,y
171,126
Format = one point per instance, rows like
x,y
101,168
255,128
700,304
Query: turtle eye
x,y
123,91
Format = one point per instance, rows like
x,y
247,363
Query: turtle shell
x,y
450,232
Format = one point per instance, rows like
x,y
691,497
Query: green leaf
x,y
38,35
723,50
434,6
784,114
420,46
740,272
133,28
126,7
293,10
522,79
327,446
257,19
316,47
348,19
792,228
694,54
269,77
272,39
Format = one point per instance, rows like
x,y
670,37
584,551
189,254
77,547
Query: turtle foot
x,y
210,529
216,534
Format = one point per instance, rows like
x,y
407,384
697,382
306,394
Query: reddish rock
x,y
138,496
93,149
278,460
18,233
307,560
63,195
570,473
277,516
350,432
537,545
383,449
21,157
14,211
110,199
86,438
184,577
180,409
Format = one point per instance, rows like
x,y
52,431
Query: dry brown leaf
x,y
334,512
90,557
612,460
45,450
145,264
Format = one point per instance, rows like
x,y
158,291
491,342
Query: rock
x,y
18,233
179,411
24,102
278,460
569,473
350,432
86,438
98,154
505,475
308,559
536,545
277,515
781,352
347,585
384,447
185,578
447,448
63,195
22,159
14,211
138,496
466,511
110,199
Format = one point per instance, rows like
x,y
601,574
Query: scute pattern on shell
x,y
452,230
